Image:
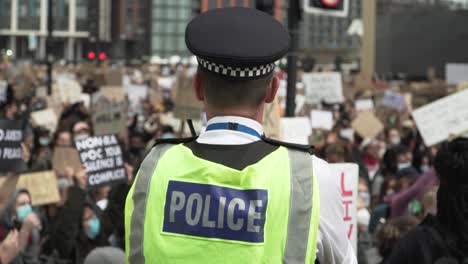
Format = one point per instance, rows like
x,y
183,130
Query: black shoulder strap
x,y
174,141
305,148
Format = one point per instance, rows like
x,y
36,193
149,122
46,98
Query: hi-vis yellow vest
x,y
183,209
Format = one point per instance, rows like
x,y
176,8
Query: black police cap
x,y
237,43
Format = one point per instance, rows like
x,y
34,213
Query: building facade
x,y
23,28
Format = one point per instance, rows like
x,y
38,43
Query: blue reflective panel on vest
x,y
212,211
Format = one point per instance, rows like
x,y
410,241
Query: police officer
x,y
232,195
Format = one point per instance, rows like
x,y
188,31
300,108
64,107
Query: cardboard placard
x,y
271,120
186,105
7,188
11,136
41,185
394,100
109,118
321,119
113,93
102,157
323,86
45,118
443,119
367,125
347,175
64,157
295,130
113,77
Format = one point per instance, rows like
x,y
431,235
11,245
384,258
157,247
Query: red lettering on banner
x,y
350,231
344,192
346,204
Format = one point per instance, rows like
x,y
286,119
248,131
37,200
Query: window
x,y
5,13
28,14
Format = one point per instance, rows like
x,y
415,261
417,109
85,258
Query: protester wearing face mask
x,y
18,214
393,137
78,229
42,153
81,130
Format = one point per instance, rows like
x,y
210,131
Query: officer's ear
x,y
198,87
272,89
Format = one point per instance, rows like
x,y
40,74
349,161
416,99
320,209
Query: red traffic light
x,y
331,3
102,56
91,55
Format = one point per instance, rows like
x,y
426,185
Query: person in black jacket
x,y
442,238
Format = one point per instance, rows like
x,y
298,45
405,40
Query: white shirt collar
x,y
230,137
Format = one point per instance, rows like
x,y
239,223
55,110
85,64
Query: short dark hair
x,y
228,93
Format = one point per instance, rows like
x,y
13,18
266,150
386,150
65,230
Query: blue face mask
x,y
23,211
94,227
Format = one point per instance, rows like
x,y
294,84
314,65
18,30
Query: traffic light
x,y
338,8
91,55
102,56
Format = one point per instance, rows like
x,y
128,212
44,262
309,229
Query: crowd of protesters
x,y
397,182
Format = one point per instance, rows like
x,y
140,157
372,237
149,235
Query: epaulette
x,y
174,141
305,148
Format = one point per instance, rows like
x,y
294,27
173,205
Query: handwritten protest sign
x,y
109,118
364,105
186,104
295,130
321,119
271,120
443,118
323,86
102,157
45,118
3,91
136,95
456,73
347,174
367,125
112,93
64,157
11,135
41,185
394,100
66,91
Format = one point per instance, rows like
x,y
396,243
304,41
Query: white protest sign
x,y
456,73
321,119
364,105
443,118
66,91
3,91
394,100
45,118
136,94
295,130
323,86
347,175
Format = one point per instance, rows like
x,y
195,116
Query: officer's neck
x,y
256,115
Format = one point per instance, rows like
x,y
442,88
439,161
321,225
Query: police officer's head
x,y
236,50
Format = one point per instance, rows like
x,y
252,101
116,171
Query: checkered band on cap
x,y
237,72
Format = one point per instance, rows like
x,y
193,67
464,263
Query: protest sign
x,y
367,125
394,100
295,129
323,86
102,157
321,119
364,105
3,91
347,174
64,157
41,185
109,118
7,188
443,118
136,95
271,120
456,72
45,118
113,77
113,93
11,135
66,91
186,105
41,91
